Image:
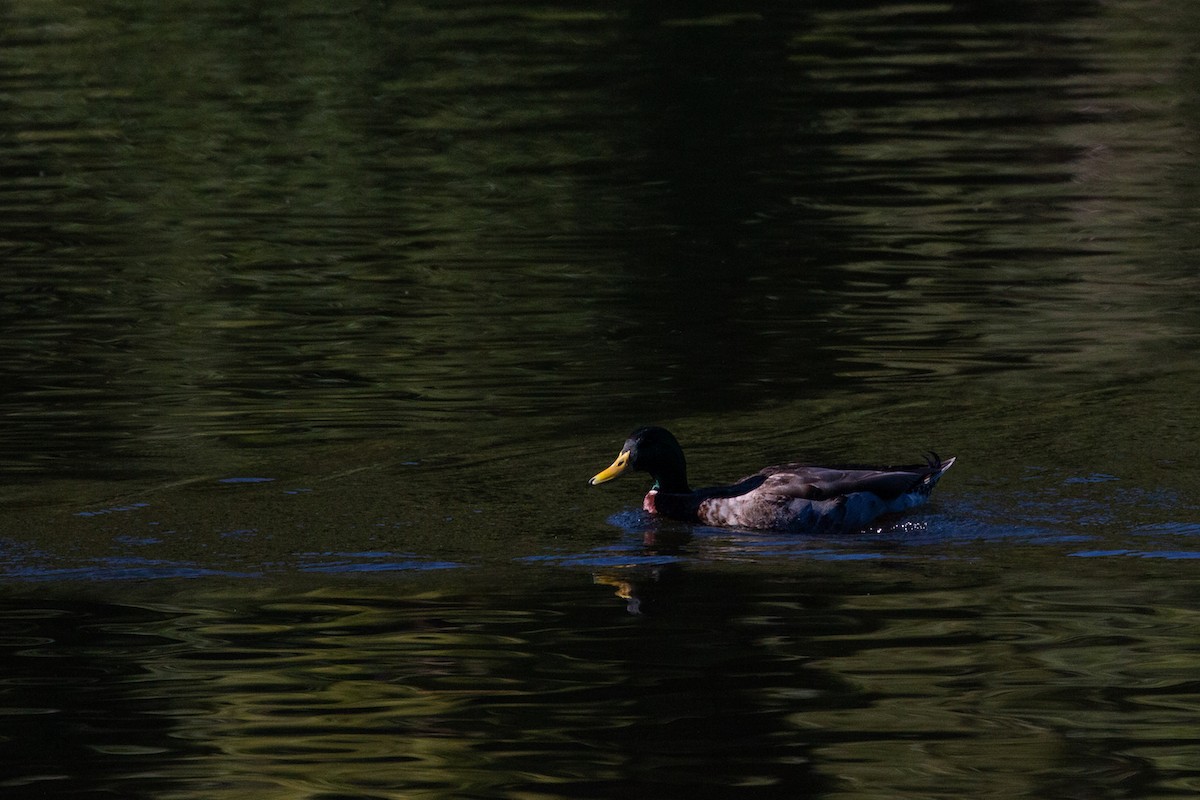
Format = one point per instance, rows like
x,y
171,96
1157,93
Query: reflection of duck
x,y
641,590
788,497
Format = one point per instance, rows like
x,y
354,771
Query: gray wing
x,y
822,483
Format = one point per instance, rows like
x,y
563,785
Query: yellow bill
x,y
613,471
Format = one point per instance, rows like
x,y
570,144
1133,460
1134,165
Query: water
x,y
315,324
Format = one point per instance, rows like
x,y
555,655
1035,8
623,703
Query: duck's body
x,y
787,497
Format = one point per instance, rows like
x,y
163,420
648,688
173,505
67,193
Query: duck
x,y
790,498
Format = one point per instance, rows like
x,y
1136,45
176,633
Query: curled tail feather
x,y
936,467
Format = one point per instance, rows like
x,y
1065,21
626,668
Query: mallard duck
x,y
787,497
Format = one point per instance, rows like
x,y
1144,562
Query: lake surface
x,y
314,323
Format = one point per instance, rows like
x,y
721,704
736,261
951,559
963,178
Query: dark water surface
x,y
314,323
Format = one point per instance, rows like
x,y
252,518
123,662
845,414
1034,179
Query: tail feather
x,y
936,467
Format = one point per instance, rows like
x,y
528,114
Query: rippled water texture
x,y
314,323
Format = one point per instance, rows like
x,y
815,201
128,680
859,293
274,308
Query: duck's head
x,y
652,450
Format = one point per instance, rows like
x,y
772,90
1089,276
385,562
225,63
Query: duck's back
x,y
823,483
799,497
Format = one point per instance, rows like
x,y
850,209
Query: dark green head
x,y
652,450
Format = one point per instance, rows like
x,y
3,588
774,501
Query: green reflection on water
x,y
885,679
245,228
422,266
